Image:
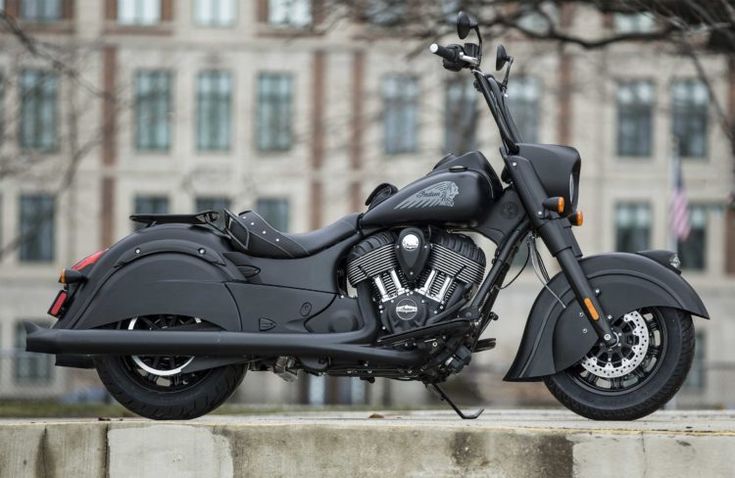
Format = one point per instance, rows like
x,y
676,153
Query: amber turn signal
x,y
554,204
577,219
70,276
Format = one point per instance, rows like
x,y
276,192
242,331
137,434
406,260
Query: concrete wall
x,y
504,445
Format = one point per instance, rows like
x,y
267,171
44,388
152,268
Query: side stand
x,y
445,397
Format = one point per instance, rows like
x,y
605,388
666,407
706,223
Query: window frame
x,y
693,209
28,256
215,24
48,376
41,95
136,20
41,18
221,100
198,200
650,107
392,104
289,24
280,225
456,128
516,113
168,126
268,141
635,206
685,110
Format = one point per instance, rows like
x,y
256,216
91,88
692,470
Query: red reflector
x,y
88,261
58,303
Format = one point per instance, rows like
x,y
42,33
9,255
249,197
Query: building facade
x,y
299,111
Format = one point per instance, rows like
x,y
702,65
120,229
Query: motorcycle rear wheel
x,y
595,389
155,387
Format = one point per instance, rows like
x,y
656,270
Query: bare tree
x,y
688,28
74,140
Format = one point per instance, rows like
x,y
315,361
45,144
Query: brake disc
x,y
624,357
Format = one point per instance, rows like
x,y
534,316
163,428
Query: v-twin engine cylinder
x,y
452,267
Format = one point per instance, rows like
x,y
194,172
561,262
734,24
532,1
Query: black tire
x,y
210,389
662,383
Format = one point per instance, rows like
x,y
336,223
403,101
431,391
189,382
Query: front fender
x,y
556,337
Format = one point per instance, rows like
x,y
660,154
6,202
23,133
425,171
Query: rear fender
x,y
177,270
556,337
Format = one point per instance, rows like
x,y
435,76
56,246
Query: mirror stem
x,y
504,85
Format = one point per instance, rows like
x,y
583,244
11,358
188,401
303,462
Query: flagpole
x,y
674,165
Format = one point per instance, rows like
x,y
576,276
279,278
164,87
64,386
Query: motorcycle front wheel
x,y
156,387
636,377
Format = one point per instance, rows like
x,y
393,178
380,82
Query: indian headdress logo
x,y
439,194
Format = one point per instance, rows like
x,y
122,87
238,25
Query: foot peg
x,y
445,397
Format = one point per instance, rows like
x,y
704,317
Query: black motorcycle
x,y
174,314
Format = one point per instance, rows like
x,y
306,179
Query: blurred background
x,y
299,108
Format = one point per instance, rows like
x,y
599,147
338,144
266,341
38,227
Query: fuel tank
x,y
459,191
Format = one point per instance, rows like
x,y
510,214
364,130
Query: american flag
x,y
680,227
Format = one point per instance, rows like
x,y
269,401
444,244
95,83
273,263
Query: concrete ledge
x,y
500,443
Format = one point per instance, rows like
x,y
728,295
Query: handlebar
x,y
455,60
454,54
449,54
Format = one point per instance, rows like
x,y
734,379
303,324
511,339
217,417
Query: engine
x,y
416,274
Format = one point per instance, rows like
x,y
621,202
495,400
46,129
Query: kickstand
x,y
445,397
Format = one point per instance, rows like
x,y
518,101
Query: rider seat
x,y
258,238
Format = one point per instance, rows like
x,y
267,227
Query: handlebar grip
x,y
444,52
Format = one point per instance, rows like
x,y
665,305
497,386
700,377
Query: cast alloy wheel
x,y
636,376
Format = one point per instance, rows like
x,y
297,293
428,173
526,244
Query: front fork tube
x,y
586,296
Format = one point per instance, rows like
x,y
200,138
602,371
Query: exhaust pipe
x,y
219,344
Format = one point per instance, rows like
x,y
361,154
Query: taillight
x,y
58,303
88,261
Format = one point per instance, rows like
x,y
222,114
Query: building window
x,y
400,114
633,227
150,205
212,202
30,368
291,13
214,13
274,111
37,212
138,12
153,110
635,118
693,250
385,12
689,108
275,211
697,377
40,10
38,123
214,111
633,22
523,101
460,117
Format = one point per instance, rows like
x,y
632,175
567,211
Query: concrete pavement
x,y
500,444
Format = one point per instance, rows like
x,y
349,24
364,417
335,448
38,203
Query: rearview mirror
x,y
501,58
465,24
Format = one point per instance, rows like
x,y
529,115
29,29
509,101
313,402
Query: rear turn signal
x,y
70,276
577,219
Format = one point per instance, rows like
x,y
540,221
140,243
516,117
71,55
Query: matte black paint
x,y
554,337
